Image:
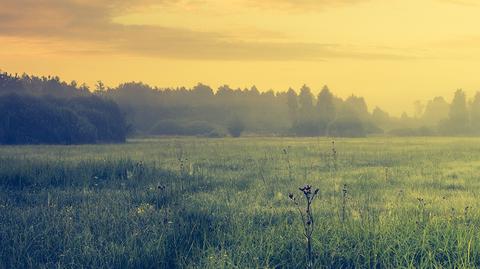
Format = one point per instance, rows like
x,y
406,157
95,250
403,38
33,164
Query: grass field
x,y
223,203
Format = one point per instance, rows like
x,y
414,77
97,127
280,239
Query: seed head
x,y
307,189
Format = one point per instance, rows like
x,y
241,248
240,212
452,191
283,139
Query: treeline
x,y
203,111
44,110
98,115
438,117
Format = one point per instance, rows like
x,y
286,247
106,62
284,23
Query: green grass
x,y
225,203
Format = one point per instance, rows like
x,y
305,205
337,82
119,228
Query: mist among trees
x,y
203,111
48,110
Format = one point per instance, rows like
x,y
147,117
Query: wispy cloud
x,y
461,2
79,22
302,5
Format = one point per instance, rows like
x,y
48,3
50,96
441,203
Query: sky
x,y
392,52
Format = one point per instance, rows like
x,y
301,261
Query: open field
x,y
223,203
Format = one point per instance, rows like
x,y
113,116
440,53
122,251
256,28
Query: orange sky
x,y
392,52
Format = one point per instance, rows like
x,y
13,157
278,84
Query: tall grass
x,y
223,203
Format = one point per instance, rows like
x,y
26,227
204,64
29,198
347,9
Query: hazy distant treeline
x,y
164,111
215,113
203,111
44,110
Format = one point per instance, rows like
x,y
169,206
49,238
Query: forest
x,y
51,111
43,110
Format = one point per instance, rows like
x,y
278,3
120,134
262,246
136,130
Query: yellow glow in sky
x,y
391,52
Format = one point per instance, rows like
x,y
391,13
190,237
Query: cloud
x,y
301,5
218,49
87,25
461,2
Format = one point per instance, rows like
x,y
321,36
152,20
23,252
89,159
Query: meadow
x,y
383,202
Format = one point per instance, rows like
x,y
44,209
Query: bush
x,y
306,128
347,127
372,128
236,127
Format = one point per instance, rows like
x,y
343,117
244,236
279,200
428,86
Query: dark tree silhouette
x,y
48,111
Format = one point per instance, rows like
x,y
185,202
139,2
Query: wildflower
x,y
144,208
307,189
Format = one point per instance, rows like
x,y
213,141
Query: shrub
x,y
236,127
306,128
347,127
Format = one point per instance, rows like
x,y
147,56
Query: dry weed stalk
x,y
306,215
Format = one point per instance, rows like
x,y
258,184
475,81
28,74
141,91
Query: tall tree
x,y
458,119
100,86
306,124
305,99
436,110
202,91
326,109
292,103
357,106
380,117
475,114
325,104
